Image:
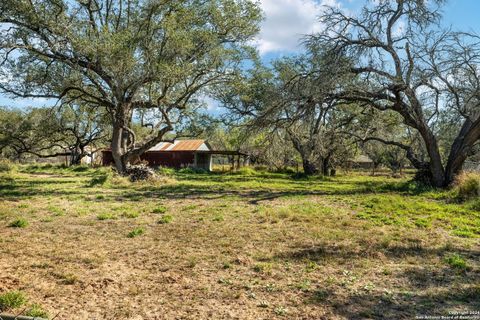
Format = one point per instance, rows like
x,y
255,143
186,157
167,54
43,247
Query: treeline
x,y
389,82
71,131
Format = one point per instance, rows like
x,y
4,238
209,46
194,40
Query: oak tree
x,y
408,65
122,56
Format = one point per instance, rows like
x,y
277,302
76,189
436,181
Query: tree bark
x,y
117,149
461,148
435,166
76,158
326,166
309,168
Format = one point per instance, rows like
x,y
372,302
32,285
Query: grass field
x,y
85,245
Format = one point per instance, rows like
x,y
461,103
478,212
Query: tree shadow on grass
x,y
265,187
426,289
407,248
412,305
257,194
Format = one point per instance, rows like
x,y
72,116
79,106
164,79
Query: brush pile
x,y
140,172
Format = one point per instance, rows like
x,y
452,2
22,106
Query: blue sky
x,y
286,21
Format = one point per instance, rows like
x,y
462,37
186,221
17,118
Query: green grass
x,y
130,214
6,166
456,261
36,310
11,300
285,246
159,209
106,216
135,232
165,219
218,217
19,223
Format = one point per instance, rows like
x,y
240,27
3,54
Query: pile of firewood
x,y
140,172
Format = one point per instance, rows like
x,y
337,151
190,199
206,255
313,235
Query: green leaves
x,y
108,50
126,56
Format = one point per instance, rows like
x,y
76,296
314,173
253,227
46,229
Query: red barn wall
x,y
177,159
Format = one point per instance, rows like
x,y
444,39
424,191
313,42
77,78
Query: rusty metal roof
x,y
165,146
187,145
181,145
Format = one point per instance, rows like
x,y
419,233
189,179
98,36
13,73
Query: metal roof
x,y
181,145
362,158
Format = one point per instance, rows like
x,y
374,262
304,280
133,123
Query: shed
x,y
179,154
361,162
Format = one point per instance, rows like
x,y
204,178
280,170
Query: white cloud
x,y
210,104
287,21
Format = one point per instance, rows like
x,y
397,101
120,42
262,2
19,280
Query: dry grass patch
x,y
239,246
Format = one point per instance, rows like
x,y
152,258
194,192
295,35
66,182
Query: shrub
x,y
165,219
19,223
12,300
35,311
160,209
135,232
6,166
468,186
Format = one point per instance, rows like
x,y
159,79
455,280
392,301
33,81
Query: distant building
x,y
179,154
361,162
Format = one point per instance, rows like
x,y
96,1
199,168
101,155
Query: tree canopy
x,y
123,56
406,63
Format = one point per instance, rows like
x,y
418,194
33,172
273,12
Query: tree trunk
x,y
309,168
118,151
461,148
75,158
435,166
326,166
76,155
